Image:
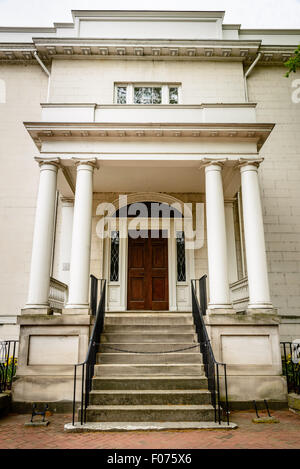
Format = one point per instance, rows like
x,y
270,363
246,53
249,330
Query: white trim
x,y
130,92
179,292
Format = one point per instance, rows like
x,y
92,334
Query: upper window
x,y
146,94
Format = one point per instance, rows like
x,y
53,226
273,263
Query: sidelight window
x,y
180,244
114,256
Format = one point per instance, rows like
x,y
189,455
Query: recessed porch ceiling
x,y
153,176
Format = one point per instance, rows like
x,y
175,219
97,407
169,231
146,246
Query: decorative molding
x,y
67,200
250,162
93,162
206,162
52,161
45,131
148,49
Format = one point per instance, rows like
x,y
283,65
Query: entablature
x,y
51,131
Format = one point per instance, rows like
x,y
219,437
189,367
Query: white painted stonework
x,y
229,148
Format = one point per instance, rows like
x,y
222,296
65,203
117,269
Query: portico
x,y
211,159
217,246
194,168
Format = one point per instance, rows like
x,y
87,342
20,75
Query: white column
x,y
67,210
216,238
231,246
81,238
43,236
259,294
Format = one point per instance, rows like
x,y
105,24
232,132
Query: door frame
x,y
179,292
166,266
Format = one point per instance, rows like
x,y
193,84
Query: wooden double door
x,y
148,271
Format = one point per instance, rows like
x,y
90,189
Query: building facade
x,y
120,113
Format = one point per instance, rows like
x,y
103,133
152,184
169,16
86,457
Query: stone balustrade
x,y
58,294
239,294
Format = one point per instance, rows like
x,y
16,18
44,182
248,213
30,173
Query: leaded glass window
x,y
173,95
147,95
114,256
121,94
180,243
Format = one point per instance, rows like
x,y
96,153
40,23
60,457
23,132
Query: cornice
x,y
129,49
146,49
146,14
49,131
270,31
147,106
272,54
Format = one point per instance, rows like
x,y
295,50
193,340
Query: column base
x,y
76,309
260,306
220,309
265,311
37,309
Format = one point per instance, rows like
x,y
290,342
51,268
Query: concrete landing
x,y
145,426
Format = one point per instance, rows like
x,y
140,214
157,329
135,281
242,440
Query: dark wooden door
x,y
147,271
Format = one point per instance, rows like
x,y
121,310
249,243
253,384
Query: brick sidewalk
x,y
285,434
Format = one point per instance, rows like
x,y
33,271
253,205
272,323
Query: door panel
x,y
148,272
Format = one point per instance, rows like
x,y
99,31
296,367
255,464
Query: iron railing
x,y
96,287
290,353
212,368
8,363
87,367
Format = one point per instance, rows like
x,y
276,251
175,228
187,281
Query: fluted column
x,y
81,239
39,281
216,238
259,293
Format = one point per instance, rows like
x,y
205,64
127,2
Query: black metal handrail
x,y
8,363
87,367
211,365
290,365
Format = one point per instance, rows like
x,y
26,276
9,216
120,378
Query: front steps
x,y
150,390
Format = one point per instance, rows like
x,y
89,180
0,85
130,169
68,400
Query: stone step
x,y
149,382
148,328
148,369
150,413
149,338
146,311
154,397
168,319
146,426
135,358
150,347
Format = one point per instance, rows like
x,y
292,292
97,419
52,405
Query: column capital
x,y
213,163
253,163
67,200
49,161
93,162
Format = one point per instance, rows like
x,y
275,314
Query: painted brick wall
x,y
26,87
93,81
280,183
